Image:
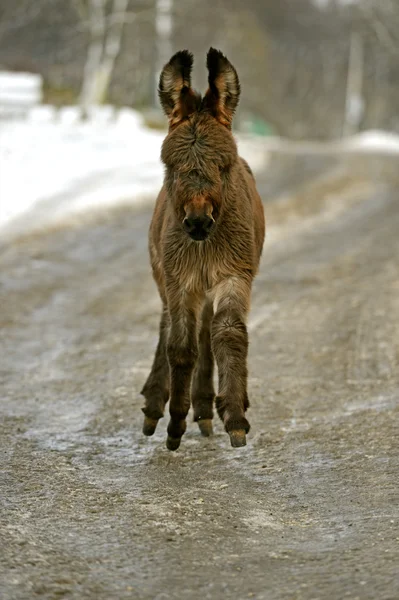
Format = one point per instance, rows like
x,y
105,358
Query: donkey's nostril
x,y
189,224
198,227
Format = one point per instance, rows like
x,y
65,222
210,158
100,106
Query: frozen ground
x,y
92,510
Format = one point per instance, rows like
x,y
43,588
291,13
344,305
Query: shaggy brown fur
x,y
206,239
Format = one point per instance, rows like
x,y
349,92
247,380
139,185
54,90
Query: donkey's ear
x,y
177,98
223,94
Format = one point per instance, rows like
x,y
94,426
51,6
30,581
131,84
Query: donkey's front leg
x,y
230,347
182,350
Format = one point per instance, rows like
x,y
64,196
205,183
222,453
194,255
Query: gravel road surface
x,y
91,509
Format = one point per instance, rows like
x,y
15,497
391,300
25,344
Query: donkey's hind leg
x,y
202,391
156,388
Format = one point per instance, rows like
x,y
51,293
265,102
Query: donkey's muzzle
x,y
198,228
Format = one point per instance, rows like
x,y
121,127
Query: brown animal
x,y
206,239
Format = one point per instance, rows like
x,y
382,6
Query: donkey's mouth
x,y
199,236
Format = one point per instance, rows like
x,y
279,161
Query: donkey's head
x,y
199,150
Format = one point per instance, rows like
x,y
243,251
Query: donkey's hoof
x,y
238,438
205,427
172,443
149,425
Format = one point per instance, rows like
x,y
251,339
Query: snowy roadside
x,y
53,166
366,142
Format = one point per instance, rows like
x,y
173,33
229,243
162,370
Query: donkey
x,y
205,242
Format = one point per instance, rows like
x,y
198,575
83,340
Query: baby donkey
x,y
206,239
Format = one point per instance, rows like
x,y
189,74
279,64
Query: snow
x,y
67,166
53,165
20,88
23,82
374,140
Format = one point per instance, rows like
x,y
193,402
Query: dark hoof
x,y
149,425
238,438
205,427
172,443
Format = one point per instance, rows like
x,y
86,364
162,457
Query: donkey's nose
x,y
198,228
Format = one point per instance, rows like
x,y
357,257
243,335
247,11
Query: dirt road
x,y
308,510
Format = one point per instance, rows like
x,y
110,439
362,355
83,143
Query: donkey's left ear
x,y
177,98
223,94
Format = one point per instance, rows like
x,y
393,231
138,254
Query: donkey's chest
x,y
205,269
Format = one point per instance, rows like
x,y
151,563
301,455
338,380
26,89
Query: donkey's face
x,y
199,149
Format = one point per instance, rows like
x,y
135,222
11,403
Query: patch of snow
x,y
43,113
22,82
65,165
18,93
20,88
383,142
68,115
53,165
253,150
129,118
374,140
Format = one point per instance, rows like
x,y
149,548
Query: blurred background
x,y
309,68
316,70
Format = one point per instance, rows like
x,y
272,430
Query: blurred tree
x,y
105,21
309,68
13,18
333,65
163,38
377,23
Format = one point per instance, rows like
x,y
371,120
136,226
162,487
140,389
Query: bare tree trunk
x,y
94,55
112,48
354,105
105,44
163,39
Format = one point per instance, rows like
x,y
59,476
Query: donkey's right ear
x,y
178,100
